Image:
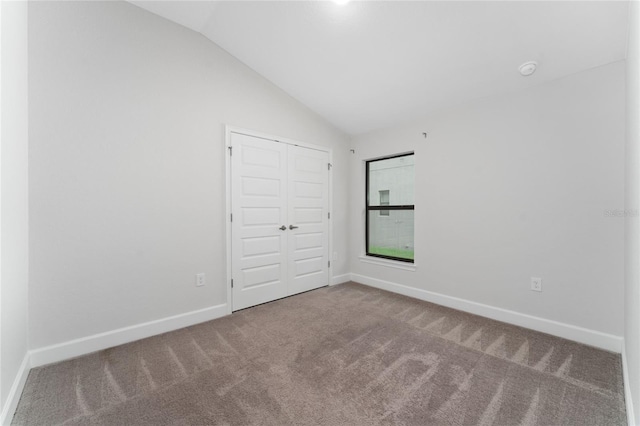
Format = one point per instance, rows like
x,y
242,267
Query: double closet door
x,y
280,223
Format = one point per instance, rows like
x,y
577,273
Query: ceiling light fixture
x,y
528,68
341,2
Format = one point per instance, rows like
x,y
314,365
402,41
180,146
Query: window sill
x,y
388,263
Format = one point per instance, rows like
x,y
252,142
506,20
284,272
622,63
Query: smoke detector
x,y
528,68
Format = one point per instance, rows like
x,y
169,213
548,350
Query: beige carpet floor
x,y
344,355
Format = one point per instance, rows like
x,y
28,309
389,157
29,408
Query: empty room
x,y
319,213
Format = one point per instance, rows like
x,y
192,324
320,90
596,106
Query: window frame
x,y
369,208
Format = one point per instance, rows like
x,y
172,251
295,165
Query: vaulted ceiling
x,y
372,64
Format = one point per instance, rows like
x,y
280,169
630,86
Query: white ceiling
x,y
373,64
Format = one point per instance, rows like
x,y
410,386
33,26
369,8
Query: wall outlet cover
x,y
200,280
536,284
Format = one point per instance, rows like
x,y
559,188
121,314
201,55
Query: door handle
x,y
293,227
283,228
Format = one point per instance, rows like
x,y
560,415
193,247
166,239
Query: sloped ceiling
x,y
373,64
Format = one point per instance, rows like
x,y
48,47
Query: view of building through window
x,y
390,208
384,201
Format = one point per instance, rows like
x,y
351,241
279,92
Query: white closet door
x,y
308,207
259,208
280,227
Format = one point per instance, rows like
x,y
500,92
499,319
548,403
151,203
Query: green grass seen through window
x,y
385,251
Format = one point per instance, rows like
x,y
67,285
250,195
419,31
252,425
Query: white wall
x,y
632,200
127,165
512,187
13,201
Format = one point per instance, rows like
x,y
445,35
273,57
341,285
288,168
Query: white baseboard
x,y
339,279
567,331
97,342
631,420
15,392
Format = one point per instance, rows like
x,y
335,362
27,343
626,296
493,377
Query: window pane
x,y
393,178
391,235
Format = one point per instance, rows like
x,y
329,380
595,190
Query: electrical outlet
x,y
200,280
536,284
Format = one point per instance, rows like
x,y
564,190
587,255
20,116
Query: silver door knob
x,y
293,227
283,228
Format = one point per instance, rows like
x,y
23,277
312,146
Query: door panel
x,y
258,200
308,208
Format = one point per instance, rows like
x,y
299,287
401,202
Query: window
x,y
384,201
390,207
